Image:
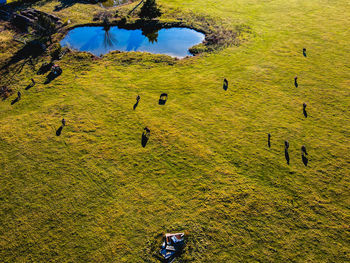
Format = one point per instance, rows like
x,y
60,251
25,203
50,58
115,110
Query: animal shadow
x,y
304,52
163,98
137,102
45,67
15,101
303,155
59,131
50,77
304,110
296,82
305,113
269,140
286,154
225,86
135,105
30,85
305,159
145,137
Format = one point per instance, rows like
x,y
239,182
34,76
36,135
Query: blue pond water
x,y
97,40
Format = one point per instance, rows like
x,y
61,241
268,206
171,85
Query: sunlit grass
x,y
94,194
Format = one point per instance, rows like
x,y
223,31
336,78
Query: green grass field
x,y
94,194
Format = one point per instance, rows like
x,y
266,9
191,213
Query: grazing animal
x,y
63,122
304,52
286,154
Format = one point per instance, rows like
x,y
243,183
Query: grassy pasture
x,y
95,195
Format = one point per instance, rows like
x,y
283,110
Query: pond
x,y
100,40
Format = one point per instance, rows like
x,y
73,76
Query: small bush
x,y
55,51
123,21
5,92
200,48
102,16
149,10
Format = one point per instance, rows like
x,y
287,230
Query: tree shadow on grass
x,y
27,53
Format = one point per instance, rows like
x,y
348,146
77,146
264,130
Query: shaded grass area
x,y
94,194
6,43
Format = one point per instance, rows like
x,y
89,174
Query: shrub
x,y
150,10
102,16
55,52
46,26
5,92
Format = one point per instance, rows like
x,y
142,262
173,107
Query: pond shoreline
x,y
138,24
175,42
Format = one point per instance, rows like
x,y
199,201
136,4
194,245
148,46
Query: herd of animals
x,y
56,71
146,133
